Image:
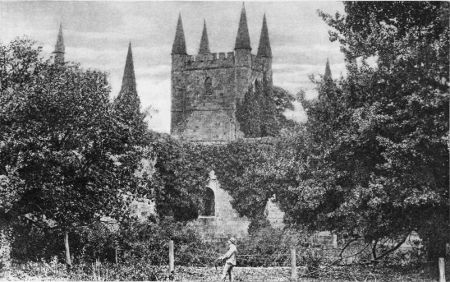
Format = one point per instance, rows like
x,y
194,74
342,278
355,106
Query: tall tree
x,y
248,112
378,165
61,158
261,112
269,122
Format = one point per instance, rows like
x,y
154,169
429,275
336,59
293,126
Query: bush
x,y
38,244
149,242
33,243
270,247
312,259
136,242
94,242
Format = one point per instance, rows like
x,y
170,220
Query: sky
x,y
97,33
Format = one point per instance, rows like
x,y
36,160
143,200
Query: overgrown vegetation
x,y
63,160
260,113
377,166
143,256
371,163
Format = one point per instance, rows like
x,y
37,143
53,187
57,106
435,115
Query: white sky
x,y
96,34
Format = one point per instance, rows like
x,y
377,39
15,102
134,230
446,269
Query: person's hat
x,y
232,240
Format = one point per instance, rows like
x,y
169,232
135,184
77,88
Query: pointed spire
x,y
129,79
327,75
204,43
243,37
127,106
179,44
59,47
264,49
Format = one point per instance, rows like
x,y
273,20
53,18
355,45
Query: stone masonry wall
x,y
202,112
205,89
226,222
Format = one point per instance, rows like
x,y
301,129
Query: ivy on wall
x,y
251,170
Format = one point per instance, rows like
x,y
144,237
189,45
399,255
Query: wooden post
x,y
171,261
5,250
441,270
66,245
98,269
293,265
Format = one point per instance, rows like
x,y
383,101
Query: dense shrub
x,y
269,247
148,242
34,243
42,243
97,241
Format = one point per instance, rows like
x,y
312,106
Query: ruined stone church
x,y
207,86
205,89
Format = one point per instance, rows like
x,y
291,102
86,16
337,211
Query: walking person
x,y
230,258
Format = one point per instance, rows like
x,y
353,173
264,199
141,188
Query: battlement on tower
x,y
215,61
211,60
206,61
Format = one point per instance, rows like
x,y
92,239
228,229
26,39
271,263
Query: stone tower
x,y
59,47
207,86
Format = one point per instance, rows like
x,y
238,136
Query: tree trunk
x,y
5,249
66,245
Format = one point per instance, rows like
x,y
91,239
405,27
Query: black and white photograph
x,y
224,141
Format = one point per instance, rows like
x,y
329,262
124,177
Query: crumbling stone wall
x,y
225,222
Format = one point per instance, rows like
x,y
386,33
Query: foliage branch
x,y
377,164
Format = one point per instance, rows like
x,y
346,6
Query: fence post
x,y
67,248
441,270
171,261
94,272
293,264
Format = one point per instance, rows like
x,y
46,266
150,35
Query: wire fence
x,y
307,262
271,255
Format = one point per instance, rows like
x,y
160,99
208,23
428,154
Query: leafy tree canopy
x,y
377,161
61,155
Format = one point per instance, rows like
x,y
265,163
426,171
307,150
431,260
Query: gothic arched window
x,y
208,203
208,86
